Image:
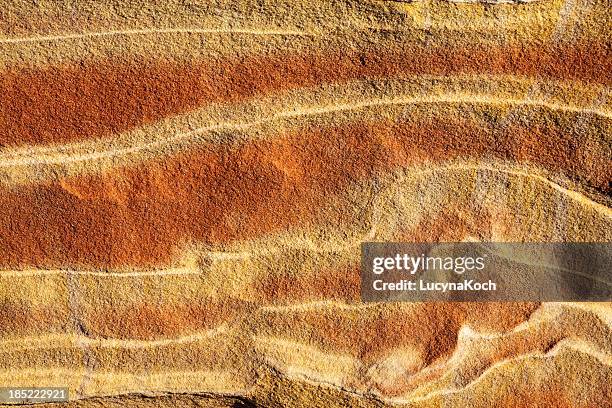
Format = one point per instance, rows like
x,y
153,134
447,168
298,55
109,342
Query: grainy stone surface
x,y
184,187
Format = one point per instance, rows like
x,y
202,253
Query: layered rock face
x,y
184,188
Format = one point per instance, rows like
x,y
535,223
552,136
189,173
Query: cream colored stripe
x,y
146,31
292,114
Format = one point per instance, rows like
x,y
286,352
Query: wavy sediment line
x,y
243,253
319,305
264,387
109,274
472,349
65,340
296,374
224,382
184,189
466,330
414,90
583,348
378,204
190,268
527,173
579,346
295,113
555,267
322,25
298,349
550,327
290,351
535,321
51,110
526,21
145,31
52,341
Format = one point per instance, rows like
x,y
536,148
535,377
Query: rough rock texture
x,y
184,187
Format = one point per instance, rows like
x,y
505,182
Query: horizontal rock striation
x,y
184,188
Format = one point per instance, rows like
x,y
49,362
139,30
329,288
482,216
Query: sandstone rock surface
x,y
184,187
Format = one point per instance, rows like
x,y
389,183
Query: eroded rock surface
x,y
184,187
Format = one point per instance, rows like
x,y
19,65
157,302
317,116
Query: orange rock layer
x,y
184,190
